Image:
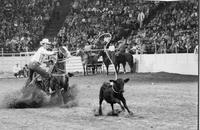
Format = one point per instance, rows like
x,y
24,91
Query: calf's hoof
x,y
131,113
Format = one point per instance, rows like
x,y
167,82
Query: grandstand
x,y
148,27
167,27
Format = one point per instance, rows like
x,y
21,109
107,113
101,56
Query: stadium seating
x,y
167,27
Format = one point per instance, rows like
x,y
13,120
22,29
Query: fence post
x,y
155,47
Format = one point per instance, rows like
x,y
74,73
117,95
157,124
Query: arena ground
x,y
159,102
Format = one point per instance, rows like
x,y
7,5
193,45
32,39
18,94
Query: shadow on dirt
x,y
119,113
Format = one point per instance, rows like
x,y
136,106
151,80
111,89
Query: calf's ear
x,y
113,81
126,80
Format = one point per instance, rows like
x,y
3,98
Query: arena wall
x,y
172,63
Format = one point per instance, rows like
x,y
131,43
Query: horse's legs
x,y
87,69
124,66
118,68
84,69
93,69
60,94
107,68
131,65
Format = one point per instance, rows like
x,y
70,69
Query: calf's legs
x,y
124,103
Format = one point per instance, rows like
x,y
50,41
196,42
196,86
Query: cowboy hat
x,y
45,41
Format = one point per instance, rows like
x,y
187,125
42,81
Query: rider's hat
x,y
45,41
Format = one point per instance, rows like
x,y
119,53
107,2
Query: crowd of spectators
x,y
172,30
89,18
22,22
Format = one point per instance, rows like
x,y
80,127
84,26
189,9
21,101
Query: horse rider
x,y
88,49
38,58
121,49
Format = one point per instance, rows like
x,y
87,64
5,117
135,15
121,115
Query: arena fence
x,y
182,63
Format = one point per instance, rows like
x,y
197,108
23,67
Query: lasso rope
x,y
108,53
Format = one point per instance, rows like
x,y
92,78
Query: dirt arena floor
x,y
159,102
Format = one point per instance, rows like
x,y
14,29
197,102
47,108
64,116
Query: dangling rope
x,y
106,50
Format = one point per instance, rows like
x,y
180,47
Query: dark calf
x,y
113,93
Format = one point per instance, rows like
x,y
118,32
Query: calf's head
x,y
118,85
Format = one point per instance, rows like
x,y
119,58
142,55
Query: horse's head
x,y
60,59
79,52
63,52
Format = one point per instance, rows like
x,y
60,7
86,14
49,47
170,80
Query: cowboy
x,y
121,49
38,58
88,48
110,46
16,70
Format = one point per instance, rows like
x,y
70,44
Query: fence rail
x,y
32,53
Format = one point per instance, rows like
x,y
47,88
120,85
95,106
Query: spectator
x,y
140,18
196,50
16,70
26,70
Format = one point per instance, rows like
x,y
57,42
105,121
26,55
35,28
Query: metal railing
x,y
32,53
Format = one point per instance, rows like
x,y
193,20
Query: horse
x,y
59,82
128,58
87,59
117,60
60,79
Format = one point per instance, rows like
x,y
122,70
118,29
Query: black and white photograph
x,y
99,65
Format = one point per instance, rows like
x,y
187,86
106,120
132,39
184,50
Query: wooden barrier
x,y
186,63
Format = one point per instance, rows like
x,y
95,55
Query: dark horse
x,y
117,60
60,79
87,60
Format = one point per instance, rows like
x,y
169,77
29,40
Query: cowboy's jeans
x,y
35,67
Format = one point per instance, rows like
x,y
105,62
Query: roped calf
x,y
113,93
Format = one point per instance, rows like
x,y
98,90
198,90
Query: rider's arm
x,y
46,52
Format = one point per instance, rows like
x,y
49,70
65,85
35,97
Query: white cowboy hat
x,y
45,41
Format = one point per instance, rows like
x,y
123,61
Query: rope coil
x,y
106,50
